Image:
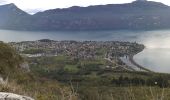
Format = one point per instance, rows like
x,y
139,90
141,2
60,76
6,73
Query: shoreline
x,y
130,62
137,65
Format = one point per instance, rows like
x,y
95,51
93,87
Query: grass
x,y
124,93
71,68
95,83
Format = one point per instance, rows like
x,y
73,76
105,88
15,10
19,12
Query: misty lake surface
x,y
156,55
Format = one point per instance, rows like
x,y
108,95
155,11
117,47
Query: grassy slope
x,y
95,84
26,83
90,83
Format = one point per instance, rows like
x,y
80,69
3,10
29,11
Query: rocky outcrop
x,y
11,96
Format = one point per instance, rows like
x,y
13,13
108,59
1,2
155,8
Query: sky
x,y
32,6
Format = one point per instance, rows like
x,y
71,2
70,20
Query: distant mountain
x,y
138,15
11,16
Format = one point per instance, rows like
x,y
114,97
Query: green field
x,y
65,78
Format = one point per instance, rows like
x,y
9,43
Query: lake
x,y
155,57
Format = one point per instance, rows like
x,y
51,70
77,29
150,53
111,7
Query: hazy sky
x,y
32,6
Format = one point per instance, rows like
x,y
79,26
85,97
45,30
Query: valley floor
x,y
86,70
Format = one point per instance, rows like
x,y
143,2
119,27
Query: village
x,y
111,51
77,49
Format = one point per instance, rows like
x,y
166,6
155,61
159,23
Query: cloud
x,y
3,1
33,11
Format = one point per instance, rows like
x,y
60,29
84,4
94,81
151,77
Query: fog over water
x,y
156,55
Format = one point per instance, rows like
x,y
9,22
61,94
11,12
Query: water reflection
x,y
155,59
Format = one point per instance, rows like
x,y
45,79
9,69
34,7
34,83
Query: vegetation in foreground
x,y
59,78
90,80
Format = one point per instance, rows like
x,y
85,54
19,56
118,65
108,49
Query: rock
x,y
2,81
12,96
25,66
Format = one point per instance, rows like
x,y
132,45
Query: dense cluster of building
x,y
77,49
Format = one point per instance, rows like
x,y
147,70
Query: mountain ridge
x,y
107,6
138,15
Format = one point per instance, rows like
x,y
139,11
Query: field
x,y
91,80
64,77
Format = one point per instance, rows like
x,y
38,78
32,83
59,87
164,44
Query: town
x,y
77,49
82,50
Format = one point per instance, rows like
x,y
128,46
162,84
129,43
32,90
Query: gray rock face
x,y
11,96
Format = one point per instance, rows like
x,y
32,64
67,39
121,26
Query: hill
x,y
11,16
49,79
138,15
14,78
10,61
